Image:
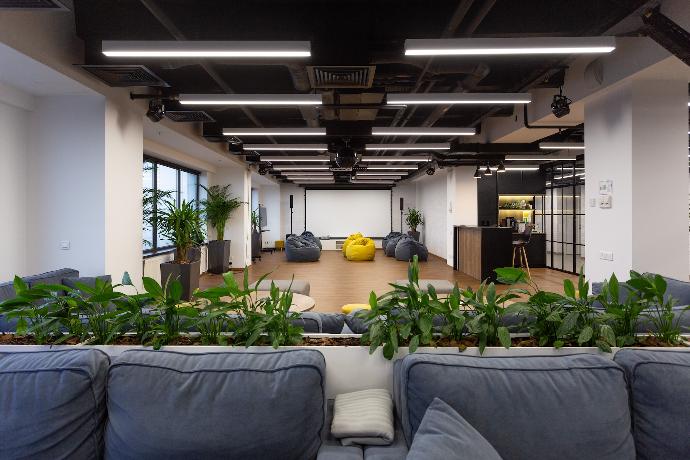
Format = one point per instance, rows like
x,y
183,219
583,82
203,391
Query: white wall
x,y
637,137
431,200
408,192
269,197
461,196
298,210
66,194
14,140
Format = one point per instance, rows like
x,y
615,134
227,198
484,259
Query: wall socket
x,y
606,255
64,245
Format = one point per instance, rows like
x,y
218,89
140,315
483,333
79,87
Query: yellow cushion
x,y
350,239
280,244
361,249
349,308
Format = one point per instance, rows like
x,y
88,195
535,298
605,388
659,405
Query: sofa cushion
x,y
660,400
297,286
339,452
54,277
443,433
569,407
52,404
168,405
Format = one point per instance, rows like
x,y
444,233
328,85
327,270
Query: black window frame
x,y
154,248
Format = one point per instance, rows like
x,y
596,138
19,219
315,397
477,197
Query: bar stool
x,y
519,245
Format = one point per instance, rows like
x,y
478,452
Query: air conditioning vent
x,y
31,5
341,76
124,75
188,116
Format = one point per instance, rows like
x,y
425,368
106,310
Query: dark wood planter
x,y
187,274
414,235
219,256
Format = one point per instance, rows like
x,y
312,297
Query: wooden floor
x,y
336,281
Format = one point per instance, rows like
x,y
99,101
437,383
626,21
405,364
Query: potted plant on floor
x,y
182,225
413,219
217,208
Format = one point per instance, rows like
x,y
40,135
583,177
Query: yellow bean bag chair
x,y
350,239
361,249
350,307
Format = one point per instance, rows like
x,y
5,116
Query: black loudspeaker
x,y
401,203
290,201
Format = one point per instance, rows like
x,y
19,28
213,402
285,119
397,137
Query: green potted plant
x,y
182,225
217,207
413,219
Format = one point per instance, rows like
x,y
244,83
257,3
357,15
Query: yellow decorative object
x,y
280,245
361,249
350,307
350,239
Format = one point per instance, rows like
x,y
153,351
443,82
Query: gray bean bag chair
x,y
389,249
310,236
408,248
300,249
388,237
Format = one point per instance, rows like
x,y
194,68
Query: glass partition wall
x,y
560,212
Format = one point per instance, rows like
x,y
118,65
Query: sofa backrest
x,y
659,383
53,277
168,405
52,404
564,407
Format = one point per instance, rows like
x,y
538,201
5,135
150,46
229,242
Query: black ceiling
x,y
347,33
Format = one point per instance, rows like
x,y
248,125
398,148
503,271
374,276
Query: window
x,y
164,182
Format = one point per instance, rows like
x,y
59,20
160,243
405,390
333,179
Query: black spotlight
x,y
501,167
236,147
560,105
346,157
487,171
430,170
263,169
477,173
156,110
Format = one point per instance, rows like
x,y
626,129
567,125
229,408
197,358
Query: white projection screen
x,y
339,213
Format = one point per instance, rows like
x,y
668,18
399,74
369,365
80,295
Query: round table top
x,y
300,302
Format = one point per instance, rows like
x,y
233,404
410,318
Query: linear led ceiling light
x,y
391,167
206,49
302,168
305,173
360,181
562,145
251,99
536,158
414,159
428,146
423,131
308,178
459,98
381,173
316,158
531,168
274,132
360,175
508,46
268,147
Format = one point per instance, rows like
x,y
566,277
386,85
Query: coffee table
x,y
300,302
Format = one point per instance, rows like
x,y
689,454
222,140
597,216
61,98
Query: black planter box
x,y
187,274
219,256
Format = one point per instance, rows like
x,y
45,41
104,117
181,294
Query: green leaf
x,y
175,290
568,323
504,336
585,335
388,351
152,287
558,344
425,324
607,333
373,300
510,275
414,343
569,288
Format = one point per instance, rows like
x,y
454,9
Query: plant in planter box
x,y
413,219
182,225
489,309
37,309
133,310
218,206
171,315
102,322
621,312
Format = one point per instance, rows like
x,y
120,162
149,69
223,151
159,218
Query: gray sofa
x,y
301,249
78,403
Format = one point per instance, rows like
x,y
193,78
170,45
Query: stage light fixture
x,y
477,173
561,104
156,110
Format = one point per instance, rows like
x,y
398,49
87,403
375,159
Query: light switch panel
x,y
64,245
605,201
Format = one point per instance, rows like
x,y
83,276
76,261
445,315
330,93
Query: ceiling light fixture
x,y
251,99
361,181
307,178
301,167
423,131
304,173
535,158
381,173
286,147
477,173
408,159
529,168
427,146
274,159
205,49
391,167
368,177
501,167
560,106
156,110
274,131
487,171
510,46
562,145
459,98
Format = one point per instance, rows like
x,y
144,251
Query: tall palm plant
x,y
182,225
218,206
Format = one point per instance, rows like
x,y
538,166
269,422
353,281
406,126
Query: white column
x,y
238,227
636,138
461,200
